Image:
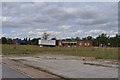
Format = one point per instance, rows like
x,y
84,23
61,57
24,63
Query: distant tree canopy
x,y
45,36
88,38
54,38
115,41
101,39
5,40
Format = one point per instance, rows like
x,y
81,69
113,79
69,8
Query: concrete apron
x,y
71,68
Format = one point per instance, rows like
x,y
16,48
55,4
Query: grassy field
x,y
98,53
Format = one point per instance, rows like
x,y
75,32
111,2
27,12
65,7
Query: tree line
x,y
102,40
25,41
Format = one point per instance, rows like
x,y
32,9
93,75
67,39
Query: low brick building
x,y
75,43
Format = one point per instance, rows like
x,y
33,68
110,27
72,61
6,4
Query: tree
x,y
34,41
24,39
0,41
53,38
84,38
45,36
115,41
67,39
101,39
77,38
4,40
9,41
89,38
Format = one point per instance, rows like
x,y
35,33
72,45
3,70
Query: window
x,y
63,44
85,44
74,43
88,44
68,43
71,43
60,43
80,43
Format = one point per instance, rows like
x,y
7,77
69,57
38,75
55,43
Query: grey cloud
x,y
53,15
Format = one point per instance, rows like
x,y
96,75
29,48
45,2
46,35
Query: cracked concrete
x,y
71,66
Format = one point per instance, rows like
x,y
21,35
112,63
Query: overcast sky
x,y
61,20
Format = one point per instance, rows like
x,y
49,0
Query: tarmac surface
x,y
12,74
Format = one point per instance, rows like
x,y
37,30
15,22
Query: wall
x,y
75,43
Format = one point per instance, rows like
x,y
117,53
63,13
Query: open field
x,y
98,53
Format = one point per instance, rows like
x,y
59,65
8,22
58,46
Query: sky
x,y
59,19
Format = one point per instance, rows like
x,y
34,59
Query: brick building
x,y
75,43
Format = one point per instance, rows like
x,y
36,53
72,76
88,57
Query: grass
x,y
98,53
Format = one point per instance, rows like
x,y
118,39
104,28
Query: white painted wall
x,y
47,42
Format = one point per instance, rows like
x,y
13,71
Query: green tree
x,y
89,38
54,38
115,41
29,39
4,40
35,41
9,41
77,38
102,39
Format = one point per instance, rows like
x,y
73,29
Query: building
x,y
16,41
75,43
51,43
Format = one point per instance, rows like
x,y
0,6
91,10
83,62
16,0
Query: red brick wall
x,y
78,43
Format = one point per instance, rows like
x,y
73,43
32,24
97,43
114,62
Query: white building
x,y
51,43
